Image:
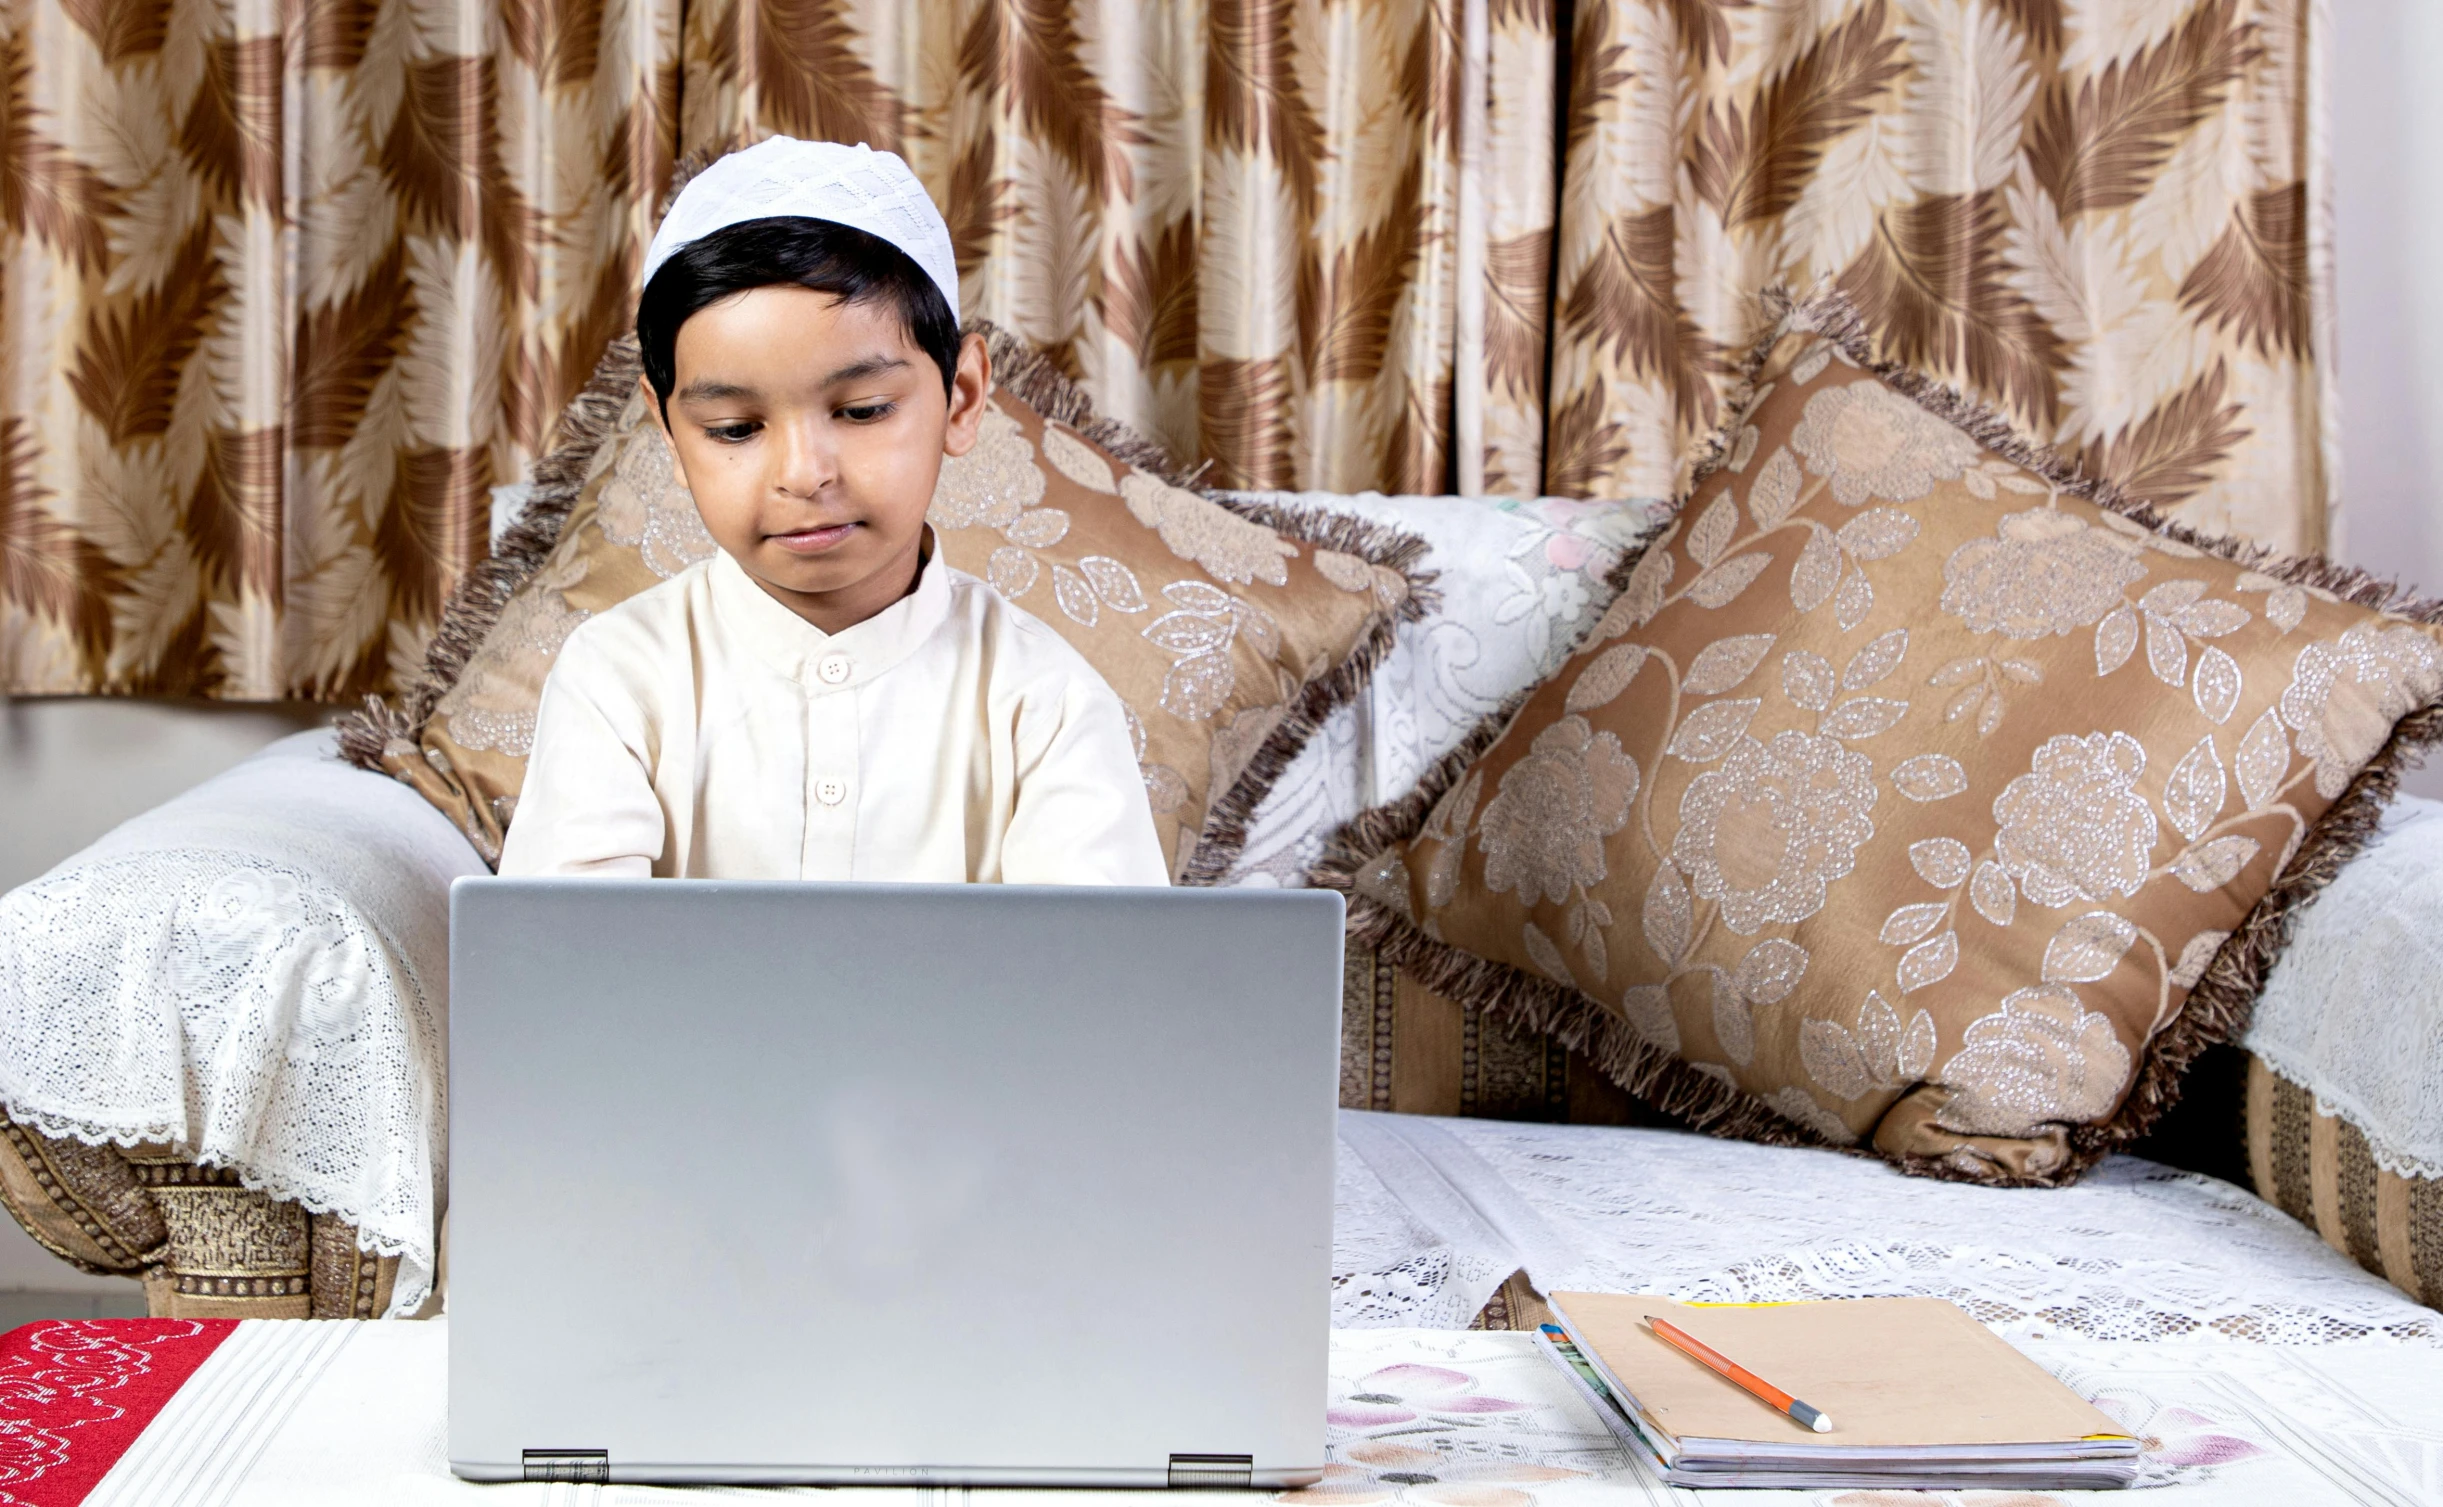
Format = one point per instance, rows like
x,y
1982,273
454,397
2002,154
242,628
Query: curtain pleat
x,y
288,288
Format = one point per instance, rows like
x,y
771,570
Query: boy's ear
x,y
970,388
653,405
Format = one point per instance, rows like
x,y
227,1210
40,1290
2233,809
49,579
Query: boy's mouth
x,y
814,541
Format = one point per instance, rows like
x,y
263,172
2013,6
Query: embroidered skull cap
x,y
819,180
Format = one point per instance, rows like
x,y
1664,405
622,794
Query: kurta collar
x,y
823,662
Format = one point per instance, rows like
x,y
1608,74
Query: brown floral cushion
x,y
1227,632
1914,792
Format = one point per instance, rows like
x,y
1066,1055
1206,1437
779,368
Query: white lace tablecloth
x,y
2353,1012
303,1414
255,971
1520,581
1436,1212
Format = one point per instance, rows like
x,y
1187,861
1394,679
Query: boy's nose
x,y
805,460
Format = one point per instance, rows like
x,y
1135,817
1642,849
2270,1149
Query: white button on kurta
x,y
702,729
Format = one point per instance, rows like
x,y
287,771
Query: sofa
x,y
223,1037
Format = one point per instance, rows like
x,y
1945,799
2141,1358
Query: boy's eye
x,y
731,434
867,413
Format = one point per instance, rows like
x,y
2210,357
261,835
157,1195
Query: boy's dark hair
x,y
840,260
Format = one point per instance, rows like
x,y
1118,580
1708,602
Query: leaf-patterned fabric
x,y
1914,792
290,289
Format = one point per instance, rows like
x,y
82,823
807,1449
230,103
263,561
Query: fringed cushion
x,y
1228,631
1915,793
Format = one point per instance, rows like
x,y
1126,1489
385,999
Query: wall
x,y
2387,117
71,769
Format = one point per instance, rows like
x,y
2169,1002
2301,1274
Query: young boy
x,y
825,698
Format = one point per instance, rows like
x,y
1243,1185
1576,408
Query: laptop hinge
x,y
575,1467
1231,1471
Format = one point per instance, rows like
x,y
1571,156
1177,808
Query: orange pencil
x,y
1782,1402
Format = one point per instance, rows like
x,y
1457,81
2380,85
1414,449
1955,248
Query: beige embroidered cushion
x,y
1907,795
1227,634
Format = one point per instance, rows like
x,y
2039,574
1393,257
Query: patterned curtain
x,y
288,287
2105,217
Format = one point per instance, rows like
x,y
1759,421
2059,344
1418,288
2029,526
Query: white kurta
x,y
703,730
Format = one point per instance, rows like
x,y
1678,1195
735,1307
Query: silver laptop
x,y
956,1184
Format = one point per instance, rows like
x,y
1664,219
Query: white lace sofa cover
x,y
2354,1010
257,971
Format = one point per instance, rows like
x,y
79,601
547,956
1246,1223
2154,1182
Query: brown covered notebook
x,y
1919,1394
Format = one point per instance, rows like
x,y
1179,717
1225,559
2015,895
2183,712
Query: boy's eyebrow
x,y
872,366
713,390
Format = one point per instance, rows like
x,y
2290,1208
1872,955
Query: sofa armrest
x,y
2344,1118
297,803
256,973
2353,1011
2317,1167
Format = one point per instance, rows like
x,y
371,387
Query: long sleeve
x,y
1080,815
588,806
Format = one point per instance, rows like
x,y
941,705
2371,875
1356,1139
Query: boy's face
x,y
811,432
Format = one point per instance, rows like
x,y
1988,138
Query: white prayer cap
x,y
817,180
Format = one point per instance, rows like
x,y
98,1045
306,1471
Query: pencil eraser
x,y
1823,1425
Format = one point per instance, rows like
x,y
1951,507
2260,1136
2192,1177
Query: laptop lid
x,y
972,1184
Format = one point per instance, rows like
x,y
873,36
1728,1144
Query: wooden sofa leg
x,y
84,1204
348,1282
233,1253
205,1246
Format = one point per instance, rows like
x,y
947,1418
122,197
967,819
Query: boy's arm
x,y
587,807
1081,816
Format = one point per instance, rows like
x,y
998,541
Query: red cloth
x,y
74,1394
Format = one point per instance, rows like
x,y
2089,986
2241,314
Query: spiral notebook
x,y
1920,1396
